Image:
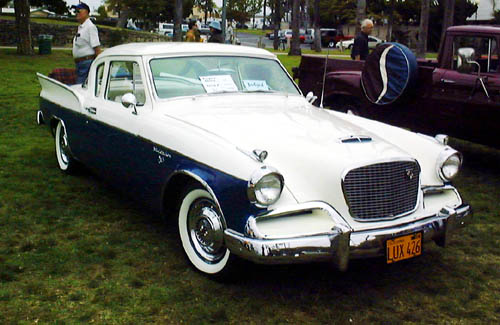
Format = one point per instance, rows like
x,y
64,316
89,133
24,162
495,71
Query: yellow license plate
x,y
404,247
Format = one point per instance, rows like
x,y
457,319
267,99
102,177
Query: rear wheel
x,y
63,154
201,230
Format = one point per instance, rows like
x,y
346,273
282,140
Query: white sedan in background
x,y
373,42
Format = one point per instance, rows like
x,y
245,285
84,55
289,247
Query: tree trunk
x,y
264,19
178,21
360,14
449,12
277,23
317,32
390,21
22,10
295,46
424,29
306,15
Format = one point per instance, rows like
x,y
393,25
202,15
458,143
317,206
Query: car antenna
x,y
324,76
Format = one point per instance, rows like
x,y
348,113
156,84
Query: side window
x,y
486,52
125,77
98,80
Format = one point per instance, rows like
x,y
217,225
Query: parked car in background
x,y
205,30
165,29
307,36
331,36
219,138
372,43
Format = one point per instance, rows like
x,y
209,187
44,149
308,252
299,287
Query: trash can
x,y
44,44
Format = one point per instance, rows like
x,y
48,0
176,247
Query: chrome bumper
x,y
341,244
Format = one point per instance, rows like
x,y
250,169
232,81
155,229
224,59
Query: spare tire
x,y
389,70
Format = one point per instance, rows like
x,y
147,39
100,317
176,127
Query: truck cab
x,y
457,94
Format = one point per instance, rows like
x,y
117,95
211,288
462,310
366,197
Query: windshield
x,y
188,76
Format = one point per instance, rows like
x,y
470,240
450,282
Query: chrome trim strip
x,y
251,226
338,246
429,190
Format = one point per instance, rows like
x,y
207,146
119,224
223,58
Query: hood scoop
x,y
356,139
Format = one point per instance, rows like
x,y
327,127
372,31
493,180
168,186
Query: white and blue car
x,y
220,138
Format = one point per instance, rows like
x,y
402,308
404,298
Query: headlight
x,y
265,186
449,163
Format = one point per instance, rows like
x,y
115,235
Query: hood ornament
x,y
260,155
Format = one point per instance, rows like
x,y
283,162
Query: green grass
x,y
253,31
73,250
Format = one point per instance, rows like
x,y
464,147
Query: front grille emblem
x,y
409,174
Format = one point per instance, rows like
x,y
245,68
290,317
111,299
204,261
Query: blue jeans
x,y
82,71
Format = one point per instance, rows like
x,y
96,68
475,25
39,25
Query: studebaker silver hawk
x,y
221,138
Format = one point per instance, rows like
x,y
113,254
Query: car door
x,y
474,108
115,128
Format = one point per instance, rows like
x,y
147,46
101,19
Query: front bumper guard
x,y
341,243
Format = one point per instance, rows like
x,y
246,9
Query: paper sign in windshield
x,y
218,84
255,85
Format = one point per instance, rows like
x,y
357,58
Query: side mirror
x,y
130,101
310,97
465,60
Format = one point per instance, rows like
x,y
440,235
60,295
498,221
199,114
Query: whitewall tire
x,y
201,230
64,159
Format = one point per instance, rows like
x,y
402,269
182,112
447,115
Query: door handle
x,y
448,81
91,110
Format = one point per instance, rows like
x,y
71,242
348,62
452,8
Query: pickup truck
x,y
457,94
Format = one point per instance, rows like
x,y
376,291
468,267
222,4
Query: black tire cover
x,y
389,70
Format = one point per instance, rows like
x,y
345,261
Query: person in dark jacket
x,y
215,33
360,48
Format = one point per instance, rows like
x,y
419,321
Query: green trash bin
x,y
44,44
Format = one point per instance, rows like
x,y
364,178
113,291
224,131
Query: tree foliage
x,y
58,6
206,6
102,12
242,10
150,11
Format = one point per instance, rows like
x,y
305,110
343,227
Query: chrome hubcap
x,y
206,230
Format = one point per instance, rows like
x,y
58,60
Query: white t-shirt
x,y
85,40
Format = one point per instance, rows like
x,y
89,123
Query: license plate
x,y
403,247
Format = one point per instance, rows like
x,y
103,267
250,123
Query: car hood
x,y
309,146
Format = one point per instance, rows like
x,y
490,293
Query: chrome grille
x,y
383,190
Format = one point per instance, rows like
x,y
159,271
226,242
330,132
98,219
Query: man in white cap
x,y
86,45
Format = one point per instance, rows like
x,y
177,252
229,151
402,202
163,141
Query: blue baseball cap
x,y
81,5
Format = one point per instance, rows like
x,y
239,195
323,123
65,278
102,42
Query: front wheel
x,y
64,159
201,230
